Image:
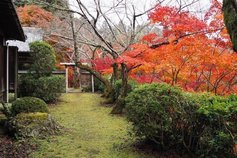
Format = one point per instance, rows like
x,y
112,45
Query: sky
x,y
198,7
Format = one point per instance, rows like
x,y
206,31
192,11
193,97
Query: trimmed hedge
x,y
48,88
28,105
43,58
202,124
40,82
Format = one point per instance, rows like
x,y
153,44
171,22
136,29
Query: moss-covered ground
x,y
91,131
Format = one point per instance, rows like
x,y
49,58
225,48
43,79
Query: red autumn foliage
x,y
103,65
194,54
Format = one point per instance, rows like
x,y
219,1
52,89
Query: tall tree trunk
x,y
76,54
124,74
230,18
115,75
120,102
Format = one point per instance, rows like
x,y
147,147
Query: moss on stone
x,y
32,116
33,125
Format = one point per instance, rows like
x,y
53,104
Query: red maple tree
x,y
192,53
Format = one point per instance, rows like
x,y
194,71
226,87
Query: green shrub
x,y
120,101
218,117
203,124
48,88
117,89
118,85
155,111
99,87
43,58
39,82
28,105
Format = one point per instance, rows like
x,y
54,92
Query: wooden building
x,y
10,29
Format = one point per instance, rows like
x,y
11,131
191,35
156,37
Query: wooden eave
x,y
9,21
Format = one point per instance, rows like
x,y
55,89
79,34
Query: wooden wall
x,y
85,80
2,72
12,71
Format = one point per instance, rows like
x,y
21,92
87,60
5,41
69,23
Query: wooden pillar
x,y
92,84
7,76
16,74
66,79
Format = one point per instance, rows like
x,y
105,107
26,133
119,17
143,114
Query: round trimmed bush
x,y
28,105
43,58
156,111
202,124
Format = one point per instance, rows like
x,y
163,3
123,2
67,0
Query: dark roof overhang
x,y
9,21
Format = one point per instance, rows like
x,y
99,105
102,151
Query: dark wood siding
x,y
1,37
2,72
12,68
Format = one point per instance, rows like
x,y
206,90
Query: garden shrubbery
x,y
29,117
99,87
203,124
120,101
48,88
43,58
28,105
40,82
118,86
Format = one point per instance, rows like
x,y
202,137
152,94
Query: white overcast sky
x,y
199,7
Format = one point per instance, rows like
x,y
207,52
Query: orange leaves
x,y
32,15
194,63
195,54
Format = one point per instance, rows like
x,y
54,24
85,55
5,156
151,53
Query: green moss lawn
x,y
91,131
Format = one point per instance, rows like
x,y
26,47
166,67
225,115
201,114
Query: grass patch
x,y
91,131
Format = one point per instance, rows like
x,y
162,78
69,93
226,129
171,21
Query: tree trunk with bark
x,y
230,18
76,54
120,102
116,75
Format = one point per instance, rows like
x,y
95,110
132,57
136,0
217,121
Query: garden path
x,y
92,132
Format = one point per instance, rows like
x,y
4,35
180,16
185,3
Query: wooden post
x,y
92,84
66,78
7,76
16,74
